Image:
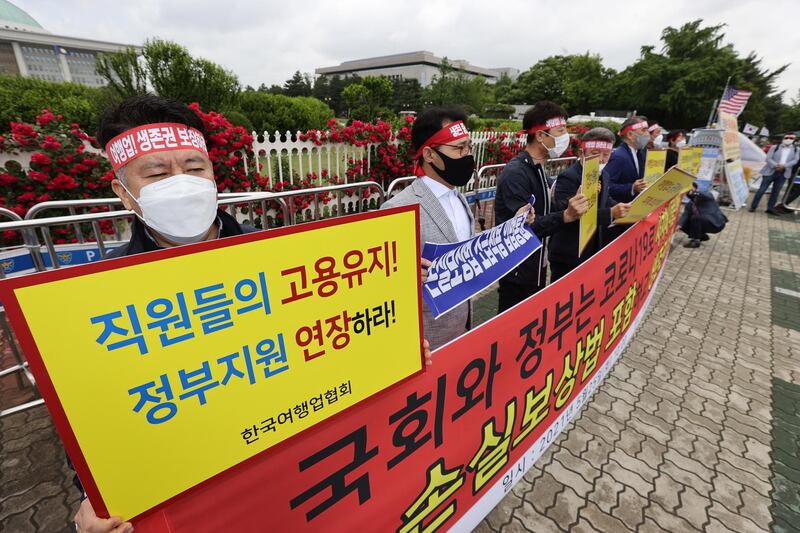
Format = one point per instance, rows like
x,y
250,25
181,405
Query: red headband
x,y
549,123
602,145
631,127
451,132
653,127
152,138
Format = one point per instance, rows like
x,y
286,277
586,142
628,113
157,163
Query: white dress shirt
x,y
635,157
635,162
785,151
452,205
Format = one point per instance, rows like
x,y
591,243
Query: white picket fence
x,y
283,157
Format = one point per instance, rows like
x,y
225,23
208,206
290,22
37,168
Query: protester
x,y
700,217
625,167
780,161
174,195
444,161
676,139
546,126
656,138
563,249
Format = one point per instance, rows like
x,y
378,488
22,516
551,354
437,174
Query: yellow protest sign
x,y
171,367
674,182
589,181
730,137
689,159
654,165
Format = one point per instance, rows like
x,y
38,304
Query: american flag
x,y
734,100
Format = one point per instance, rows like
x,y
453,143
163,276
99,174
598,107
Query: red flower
x,y
39,158
45,118
40,177
63,182
50,143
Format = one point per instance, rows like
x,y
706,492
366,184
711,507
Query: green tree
x,y
454,86
368,99
790,116
23,99
502,89
274,89
329,89
124,71
278,112
298,85
578,82
406,95
678,85
169,70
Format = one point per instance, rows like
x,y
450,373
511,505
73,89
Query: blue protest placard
x,y
461,270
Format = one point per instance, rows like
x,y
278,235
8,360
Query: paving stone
x,y
565,510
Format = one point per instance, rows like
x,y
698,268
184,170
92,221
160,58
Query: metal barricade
x,y
396,183
792,193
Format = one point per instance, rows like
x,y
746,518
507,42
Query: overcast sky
x,y
266,41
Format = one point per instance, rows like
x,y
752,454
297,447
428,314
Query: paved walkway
x,y
696,428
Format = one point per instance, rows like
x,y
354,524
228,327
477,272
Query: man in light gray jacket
x,y
780,161
444,162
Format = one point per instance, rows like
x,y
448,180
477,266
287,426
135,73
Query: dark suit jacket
x,y
564,244
621,171
520,178
672,158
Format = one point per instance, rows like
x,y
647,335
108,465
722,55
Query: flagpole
x,y
711,115
714,109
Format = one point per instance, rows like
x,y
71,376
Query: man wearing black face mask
x,y
523,176
443,152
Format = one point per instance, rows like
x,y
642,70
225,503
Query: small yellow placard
x,y
589,180
674,182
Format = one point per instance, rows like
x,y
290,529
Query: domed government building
x,y
27,49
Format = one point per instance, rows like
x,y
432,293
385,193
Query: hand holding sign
x,y
86,520
424,266
531,213
576,207
620,210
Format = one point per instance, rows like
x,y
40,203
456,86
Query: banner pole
x,y
715,107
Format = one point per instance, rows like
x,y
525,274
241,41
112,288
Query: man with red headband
x,y
444,161
563,249
157,148
656,138
625,167
547,138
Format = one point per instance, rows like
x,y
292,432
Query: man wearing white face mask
x,y
656,138
676,139
547,138
625,168
157,148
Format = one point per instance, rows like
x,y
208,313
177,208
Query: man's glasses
x,y
463,149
